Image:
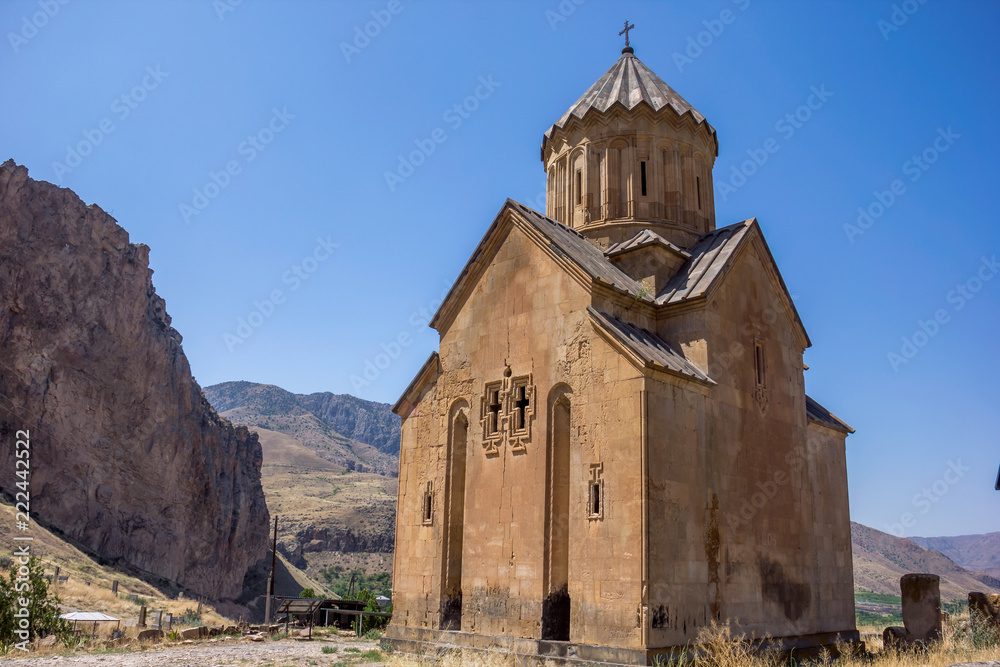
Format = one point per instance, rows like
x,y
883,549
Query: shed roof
x,y
818,413
87,616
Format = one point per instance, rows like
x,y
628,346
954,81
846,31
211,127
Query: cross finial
x,y
625,31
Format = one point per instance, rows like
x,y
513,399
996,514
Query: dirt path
x,y
217,654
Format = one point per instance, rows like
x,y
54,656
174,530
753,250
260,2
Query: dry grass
x,y
98,597
720,648
76,594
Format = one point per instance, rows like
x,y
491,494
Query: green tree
x,y
26,582
371,622
307,593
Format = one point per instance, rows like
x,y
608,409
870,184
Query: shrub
x,y
372,655
190,616
329,649
307,593
371,622
43,607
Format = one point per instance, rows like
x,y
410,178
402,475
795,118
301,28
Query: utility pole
x,y
270,579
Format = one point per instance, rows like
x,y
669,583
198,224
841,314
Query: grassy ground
x,y
720,648
76,594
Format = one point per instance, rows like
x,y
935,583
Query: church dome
x,y
631,154
629,82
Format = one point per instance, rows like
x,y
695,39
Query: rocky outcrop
x,y
348,431
314,539
358,419
325,538
127,456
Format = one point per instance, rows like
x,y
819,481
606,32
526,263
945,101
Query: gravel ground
x,y
216,654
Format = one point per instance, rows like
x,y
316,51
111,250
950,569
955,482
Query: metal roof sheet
x,y
574,245
87,616
642,239
630,83
818,413
653,350
709,256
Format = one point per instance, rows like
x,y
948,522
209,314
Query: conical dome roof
x,y
630,83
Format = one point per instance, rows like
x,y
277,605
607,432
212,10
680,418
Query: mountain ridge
x,y
880,559
343,429
973,552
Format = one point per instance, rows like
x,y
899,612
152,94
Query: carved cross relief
x,y
508,409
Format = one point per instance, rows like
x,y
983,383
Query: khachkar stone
x,y
921,595
984,610
921,606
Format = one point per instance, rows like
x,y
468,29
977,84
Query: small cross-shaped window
x,y
494,408
521,405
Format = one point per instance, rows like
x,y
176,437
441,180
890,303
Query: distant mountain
x,y
350,432
328,474
364,421
880,559
973,552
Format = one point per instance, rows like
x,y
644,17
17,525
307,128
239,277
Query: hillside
x,y
973,552
88,587
347,431
336,513
881,559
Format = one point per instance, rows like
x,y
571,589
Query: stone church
x,y
614,447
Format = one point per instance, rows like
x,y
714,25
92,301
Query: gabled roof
x,y
563,241
652,350
412,392
818,413
630,83
576,246
711,258
644,238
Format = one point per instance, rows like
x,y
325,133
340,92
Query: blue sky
x,y
248,145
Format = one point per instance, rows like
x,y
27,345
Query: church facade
x,y
613,447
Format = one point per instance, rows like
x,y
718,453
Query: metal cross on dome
x,y
625,31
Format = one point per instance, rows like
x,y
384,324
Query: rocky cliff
x,y
127,456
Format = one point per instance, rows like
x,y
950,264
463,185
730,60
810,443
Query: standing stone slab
x,y
921,606
984,609
150,635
